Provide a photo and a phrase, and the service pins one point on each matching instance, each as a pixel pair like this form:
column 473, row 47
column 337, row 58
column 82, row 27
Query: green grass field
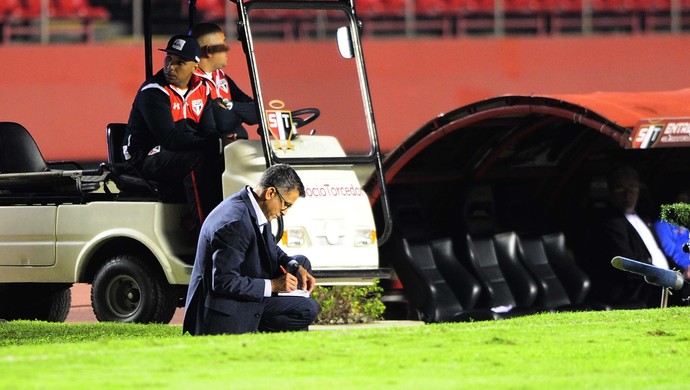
column 603, row 350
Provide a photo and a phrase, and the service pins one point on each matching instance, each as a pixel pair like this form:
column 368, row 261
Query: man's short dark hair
column 202, row 29
column 282, row 177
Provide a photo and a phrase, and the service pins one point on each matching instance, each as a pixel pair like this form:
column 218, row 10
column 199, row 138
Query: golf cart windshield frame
column 245, row 36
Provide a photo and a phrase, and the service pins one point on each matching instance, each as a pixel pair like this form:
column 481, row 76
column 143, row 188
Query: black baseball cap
column 183, row 46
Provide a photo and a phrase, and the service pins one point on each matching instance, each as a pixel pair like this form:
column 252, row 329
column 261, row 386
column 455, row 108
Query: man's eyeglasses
column 210, row 49
column 286, row 204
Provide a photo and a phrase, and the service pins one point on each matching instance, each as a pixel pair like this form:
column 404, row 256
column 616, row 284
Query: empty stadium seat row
column 543, row 6
column 59, row 9
column 215, row 9
column 460, row 17
column 482, row 277
column 19, row 17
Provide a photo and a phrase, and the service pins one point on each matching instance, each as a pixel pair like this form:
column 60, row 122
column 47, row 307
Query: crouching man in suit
column 239, row 268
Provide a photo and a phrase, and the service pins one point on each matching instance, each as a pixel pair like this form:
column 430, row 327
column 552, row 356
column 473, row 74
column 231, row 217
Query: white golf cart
column 122, row 234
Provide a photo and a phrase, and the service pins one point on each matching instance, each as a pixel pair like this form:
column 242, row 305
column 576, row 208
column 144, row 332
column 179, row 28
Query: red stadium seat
column 656, row 5
column 393, row 7
column 523, row 6
column 471, row 6
column 78, row 9
column 564, row 6
column 71, row 10
column 368, row 8
column 11, row 8
column 434, row 16
column 211, row 9
column 32, row 8
column 431, row 7
column 609, row 5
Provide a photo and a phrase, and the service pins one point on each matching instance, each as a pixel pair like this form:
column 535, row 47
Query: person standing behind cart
column 232, row 107
column 171, row 135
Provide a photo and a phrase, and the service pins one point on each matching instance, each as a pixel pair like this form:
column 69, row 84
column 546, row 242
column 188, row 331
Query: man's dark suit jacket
column 232, row 261
column 612, row 235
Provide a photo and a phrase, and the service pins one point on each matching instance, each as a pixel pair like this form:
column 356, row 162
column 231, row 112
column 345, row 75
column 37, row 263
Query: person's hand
column 229, row 138
column 308, row 281
column 226, row 104
column 686, row 274
column 286, row 282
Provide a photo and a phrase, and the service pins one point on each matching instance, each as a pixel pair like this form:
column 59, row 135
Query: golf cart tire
column 36, row 301
column 125, row 289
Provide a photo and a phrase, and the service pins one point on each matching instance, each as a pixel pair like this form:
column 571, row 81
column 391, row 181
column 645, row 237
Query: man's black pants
column 189, row 172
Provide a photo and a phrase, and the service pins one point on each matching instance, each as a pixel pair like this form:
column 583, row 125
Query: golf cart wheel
column 56, row 305
column 36, row 301
column 126, row 290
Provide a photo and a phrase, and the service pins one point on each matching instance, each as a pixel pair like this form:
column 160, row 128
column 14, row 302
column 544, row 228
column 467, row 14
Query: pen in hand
column 296, row 274
column 286, row 273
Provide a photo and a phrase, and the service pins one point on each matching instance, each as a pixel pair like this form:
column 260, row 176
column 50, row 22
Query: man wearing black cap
column 171, row 135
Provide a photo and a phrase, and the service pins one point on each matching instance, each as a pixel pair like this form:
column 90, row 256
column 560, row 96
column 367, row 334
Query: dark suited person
column 239, row 268
column 619, row 231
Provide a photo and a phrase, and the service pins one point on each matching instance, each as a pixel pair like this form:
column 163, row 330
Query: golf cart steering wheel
column 299, row 122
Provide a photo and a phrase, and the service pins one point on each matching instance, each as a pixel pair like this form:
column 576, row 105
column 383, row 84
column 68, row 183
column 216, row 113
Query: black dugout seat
column 552, row 294
column 575, row 281
column 483, row 256
column 465, row 286
column 23, row 168
column 477, row 245
column 128, row 180
column 427, row 289
column 521, row 283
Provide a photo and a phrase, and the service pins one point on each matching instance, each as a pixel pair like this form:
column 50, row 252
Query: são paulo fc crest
column 280, row 124
column 197, row 106
column 279, row 121
column 223, row 85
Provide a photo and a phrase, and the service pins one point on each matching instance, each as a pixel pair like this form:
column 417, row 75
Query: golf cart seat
column 127, row 178
column 24, row 170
